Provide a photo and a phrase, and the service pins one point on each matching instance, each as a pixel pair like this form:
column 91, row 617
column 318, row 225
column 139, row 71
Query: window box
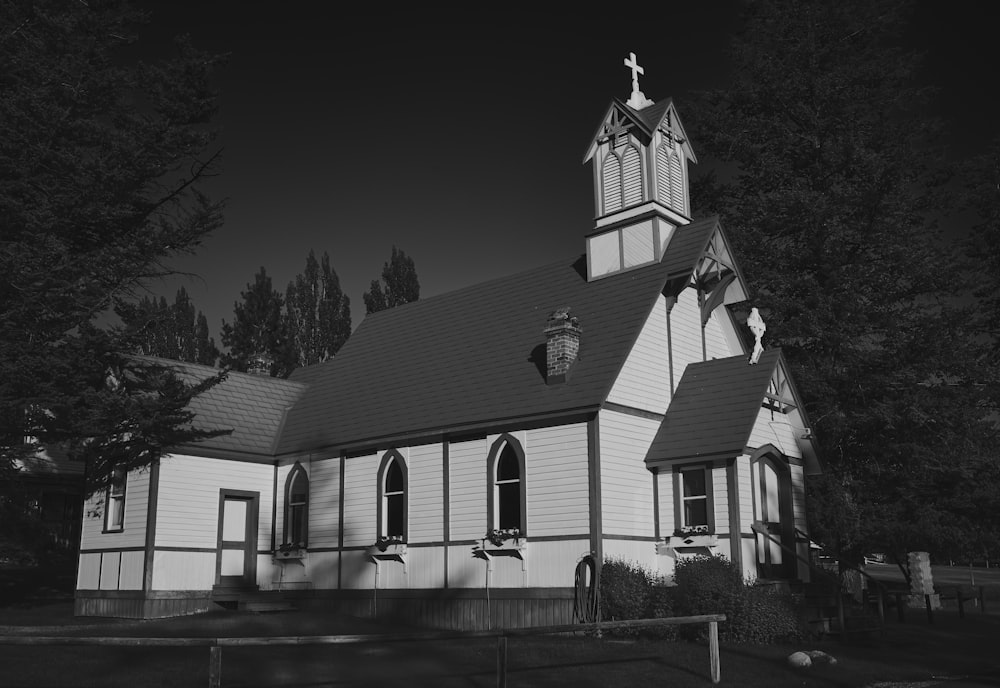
column 388, row 549
column 502, row 543
column 687, row 540
column 286, row 552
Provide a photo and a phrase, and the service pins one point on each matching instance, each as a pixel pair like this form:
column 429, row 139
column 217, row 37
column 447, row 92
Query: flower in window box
column 383, row 542
column 498, row 536
column 693, row 530
column 291, row 550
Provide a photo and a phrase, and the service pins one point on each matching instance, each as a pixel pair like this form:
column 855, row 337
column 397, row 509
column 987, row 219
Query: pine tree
column 258, row 336
column 101, row 160
column 176, row 331
column 838, row 184
column 318, row 312
column 399, row 284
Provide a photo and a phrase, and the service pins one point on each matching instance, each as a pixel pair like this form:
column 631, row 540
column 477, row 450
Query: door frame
column 788, row 568
column 249, row 577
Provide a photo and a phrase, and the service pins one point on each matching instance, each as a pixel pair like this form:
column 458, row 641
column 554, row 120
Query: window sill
column 390, row 551
column 509, row 548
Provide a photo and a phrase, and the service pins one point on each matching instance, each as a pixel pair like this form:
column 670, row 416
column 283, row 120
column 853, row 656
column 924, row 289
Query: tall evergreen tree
column 171, row 331
column 101, row 158
column 318, row 312
column 838, row 182
column 258, row 335
column 399, row 284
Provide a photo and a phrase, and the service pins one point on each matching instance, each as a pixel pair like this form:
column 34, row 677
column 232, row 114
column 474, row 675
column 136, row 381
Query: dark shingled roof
column 472, row 357
column 714, row 409
column 253, row 406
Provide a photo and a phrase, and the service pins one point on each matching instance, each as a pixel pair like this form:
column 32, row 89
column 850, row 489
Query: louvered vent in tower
column 631, row 176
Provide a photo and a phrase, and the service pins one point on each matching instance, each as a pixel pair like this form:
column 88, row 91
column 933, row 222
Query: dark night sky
column 458, row 137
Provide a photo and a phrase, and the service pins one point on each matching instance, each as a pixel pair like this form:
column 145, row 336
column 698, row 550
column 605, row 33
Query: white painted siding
column 717, row 344
column 133, row 533
column 685, row 332
column 321, row 570
column 425, row 494
column 324, row 503
column 720, row 499
column 183, row 570
column 187, row 512
column 665, row 489
column 641, row 552
column 626, row 483
column 637, row 244
column 553, row 563
column 774, row 428
column 89, row 575
column 425, row 567
column 110, row 566
column 644, row 380
column 467, row 463
column 358, row 570
column 465, row 570
column 360, row 495
column 745, row 486
column 557, row 481
column 130, row 576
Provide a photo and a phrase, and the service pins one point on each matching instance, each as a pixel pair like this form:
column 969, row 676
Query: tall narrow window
column 507, row 486
column 297, row 506
column 694, row 498
column 115, row 512
column 392, row 500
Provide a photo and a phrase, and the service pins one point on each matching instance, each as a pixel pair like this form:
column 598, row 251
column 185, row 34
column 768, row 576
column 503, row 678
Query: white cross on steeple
column 637, row 100
column 636, row 70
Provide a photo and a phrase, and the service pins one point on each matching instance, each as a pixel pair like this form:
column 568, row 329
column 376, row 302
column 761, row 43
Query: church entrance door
column 236, row 566
column 773, row 512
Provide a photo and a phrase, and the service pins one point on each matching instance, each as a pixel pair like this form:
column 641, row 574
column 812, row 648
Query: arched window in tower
column 507, row 494
column 297, row 506
column 611, row 181
column 631, row 176
column 392, row 500
column 669, row 185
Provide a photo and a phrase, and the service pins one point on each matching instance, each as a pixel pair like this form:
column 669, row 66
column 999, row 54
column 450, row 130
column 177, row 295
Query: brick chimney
column 562, row 345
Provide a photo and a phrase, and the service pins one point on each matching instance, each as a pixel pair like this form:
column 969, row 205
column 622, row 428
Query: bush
column 628, row 591
column 714, row 585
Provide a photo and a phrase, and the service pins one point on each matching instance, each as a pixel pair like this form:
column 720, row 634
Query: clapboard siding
column 88, row 576
column 747, row 497
column 324, row 503
column 626, row 484
column 183, row 570
column 644, row 380
column 425, row 520
column 685, row 332
column 187, row 513
column 553, row 563
column 797, row 478
column 360, row 495
column 110, row 568
column 467, row 463
column 720, row 499
column 717, row 345
column 425, row 567
column 464, row 569
column 133, row 533
column 665, row 490
column 322, row 570
column 357, row 570
column 557, row 483
column 641, row 552
column 774, row 428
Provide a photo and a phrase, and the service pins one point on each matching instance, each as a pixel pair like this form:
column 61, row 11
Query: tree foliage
column 399, row 284
column 318, row 312
column 258, row 337
column 101, row 159
column 176, row 331
column 833, row 204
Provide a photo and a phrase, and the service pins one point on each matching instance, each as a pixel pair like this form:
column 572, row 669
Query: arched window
column 507, row 486
column 392, row 497
column 297, row 506
column 611, row 180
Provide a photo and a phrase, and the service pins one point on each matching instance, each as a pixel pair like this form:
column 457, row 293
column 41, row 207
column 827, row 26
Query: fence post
column 713, row 649
column 930, row 612
column 214, row 666
column 502, row 661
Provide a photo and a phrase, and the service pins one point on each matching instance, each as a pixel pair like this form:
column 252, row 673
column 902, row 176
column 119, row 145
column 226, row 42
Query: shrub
column 714, row 585
column 628, row 591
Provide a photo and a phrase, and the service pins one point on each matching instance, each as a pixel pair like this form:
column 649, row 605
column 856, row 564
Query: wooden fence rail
column 215, row 645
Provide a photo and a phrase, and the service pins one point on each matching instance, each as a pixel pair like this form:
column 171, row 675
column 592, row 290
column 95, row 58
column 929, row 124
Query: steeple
column 640, row 156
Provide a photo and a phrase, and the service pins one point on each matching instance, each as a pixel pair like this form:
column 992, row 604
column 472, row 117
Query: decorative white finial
column 637, row 100
column 757, row 326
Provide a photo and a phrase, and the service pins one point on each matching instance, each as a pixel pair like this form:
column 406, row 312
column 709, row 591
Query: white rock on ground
column 799, row 660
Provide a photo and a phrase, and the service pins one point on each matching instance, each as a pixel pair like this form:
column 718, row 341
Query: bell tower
column 640, row 157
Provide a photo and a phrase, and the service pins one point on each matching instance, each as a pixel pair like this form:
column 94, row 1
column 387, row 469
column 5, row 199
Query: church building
column 463, row 456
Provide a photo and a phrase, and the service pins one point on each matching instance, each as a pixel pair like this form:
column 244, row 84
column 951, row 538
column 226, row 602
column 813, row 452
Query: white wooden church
column 462, row 455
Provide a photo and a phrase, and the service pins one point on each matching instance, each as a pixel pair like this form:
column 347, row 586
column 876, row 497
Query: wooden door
column 774, row 512
column 237, row 559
